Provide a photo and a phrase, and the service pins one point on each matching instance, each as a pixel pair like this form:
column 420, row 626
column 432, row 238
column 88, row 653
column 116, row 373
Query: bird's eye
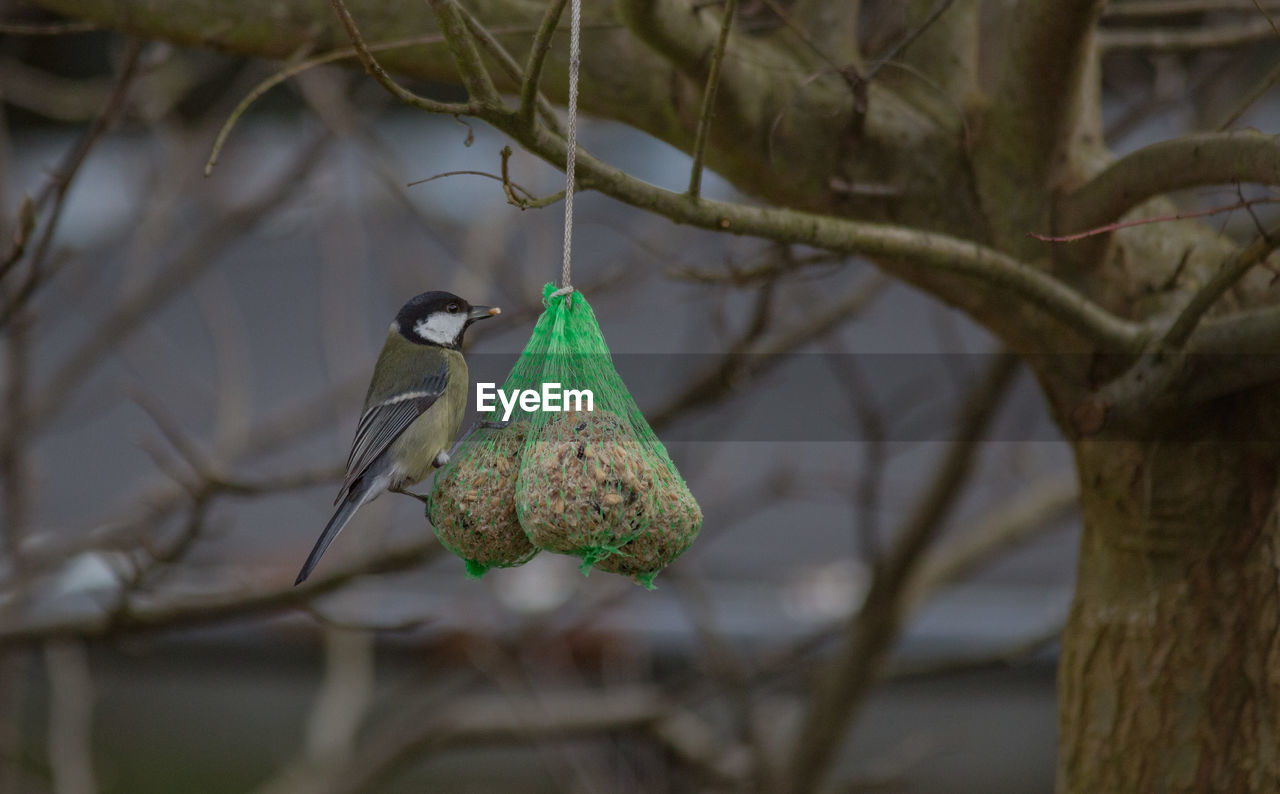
column 453, row 308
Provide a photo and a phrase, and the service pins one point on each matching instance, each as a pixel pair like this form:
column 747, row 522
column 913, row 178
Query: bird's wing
column 385, row 420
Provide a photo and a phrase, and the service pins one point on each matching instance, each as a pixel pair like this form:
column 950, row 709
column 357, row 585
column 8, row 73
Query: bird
column 416, row 400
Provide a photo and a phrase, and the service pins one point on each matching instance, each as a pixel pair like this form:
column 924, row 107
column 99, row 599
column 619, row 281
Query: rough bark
column 1168, row 680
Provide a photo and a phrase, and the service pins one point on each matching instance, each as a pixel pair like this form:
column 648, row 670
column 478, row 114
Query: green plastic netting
column 472, row 501
column 596, row 484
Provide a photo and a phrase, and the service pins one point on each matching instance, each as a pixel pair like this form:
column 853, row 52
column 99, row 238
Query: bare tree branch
column 487, row 719
column 1141, row 395
column 1038, row 104
column 538, row 50
column 884, row 244
column 486, row 40
column 234, row 600
column 709, row 98
column 345, row 695
column 70, row 717
column 870, row 633
column 752, row 275
column 136, row 308
column 1259, row 90
column 453, row 24
column 1129, row 9
column 1035, row 508
column 60, row 182
column 1186, row 40
column 51, row 29
column 701, row 745
column 376, row 71
column 1019, row 651
column 748, row 359
column 733, row 680
column 334, row 56
column 1177, row 164
column 1227, row 276
column 947, row 53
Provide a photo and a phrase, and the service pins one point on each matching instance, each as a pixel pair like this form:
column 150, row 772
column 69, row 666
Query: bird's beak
column 483, row 312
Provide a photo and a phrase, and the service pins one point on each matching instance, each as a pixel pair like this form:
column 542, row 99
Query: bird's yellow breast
column 435, row 430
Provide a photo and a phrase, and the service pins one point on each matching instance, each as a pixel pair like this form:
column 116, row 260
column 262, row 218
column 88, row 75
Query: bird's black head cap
column 438, row 318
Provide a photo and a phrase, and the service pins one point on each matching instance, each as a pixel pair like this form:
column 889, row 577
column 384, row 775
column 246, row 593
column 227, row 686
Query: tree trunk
column 1169, row 679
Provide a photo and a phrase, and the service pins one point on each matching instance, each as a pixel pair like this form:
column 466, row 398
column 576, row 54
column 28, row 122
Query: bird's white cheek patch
column 441, row 328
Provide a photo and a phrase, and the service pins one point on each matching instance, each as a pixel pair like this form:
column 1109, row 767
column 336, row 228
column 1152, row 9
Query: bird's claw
column 418, row 496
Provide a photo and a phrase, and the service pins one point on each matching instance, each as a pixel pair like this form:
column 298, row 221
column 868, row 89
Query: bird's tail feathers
column 340, row 518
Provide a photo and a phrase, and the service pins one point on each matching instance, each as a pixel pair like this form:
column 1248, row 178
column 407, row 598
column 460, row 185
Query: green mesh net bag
column 590, row 480
column 472, row 501
column 597, row 483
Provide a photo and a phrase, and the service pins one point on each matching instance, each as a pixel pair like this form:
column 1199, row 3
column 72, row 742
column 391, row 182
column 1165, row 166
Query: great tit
column 415, row 404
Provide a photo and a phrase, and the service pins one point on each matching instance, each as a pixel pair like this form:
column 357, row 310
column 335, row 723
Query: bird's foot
column 418, row 496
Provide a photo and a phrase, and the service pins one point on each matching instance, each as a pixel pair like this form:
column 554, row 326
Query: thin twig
column 877, row 623
column 867, row 489
column 1184, row 40
column 509, row 187
column 1274, row 27
column 537, row 58
column 789, row 226
column 484, row 174
column 709, row 98
column 886, row 243
column 480, row 719
column 1019, row 652
column 137, row 307
column 230, row 601
column 379, row 74
column 491, row 45
column 1035, row 508
column 1265, row 84
column 1175, row 164
column 752, row 275
column 883, row 242
column 1180, row 216
column 907, row 40
column 733, row 678
column 1172, row 8
column 15, row 468
column 750, row 357
column 1231, row 271
column 1269, row 81
column 157, row 504
column 22, row 229
column 214, row 477
column 848, row 72
column 62, row 177
column 51, row 29
column 15, row 316
column 293, row 70
column 462, row 44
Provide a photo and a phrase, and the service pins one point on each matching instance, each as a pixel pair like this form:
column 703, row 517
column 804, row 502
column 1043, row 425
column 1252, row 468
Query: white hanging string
column 571, row 139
